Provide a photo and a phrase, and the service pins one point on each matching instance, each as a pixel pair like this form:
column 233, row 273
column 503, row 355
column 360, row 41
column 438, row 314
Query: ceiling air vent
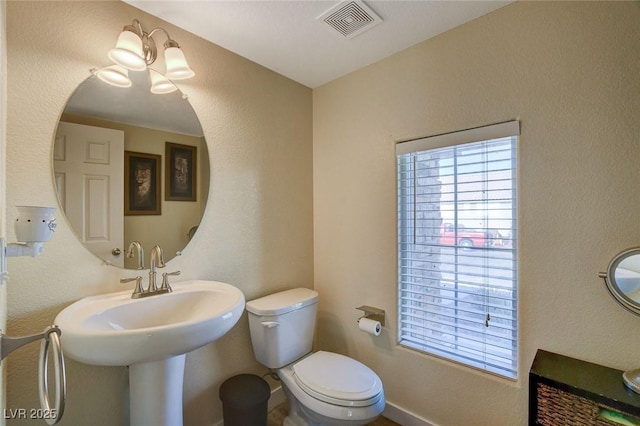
column 350, row 18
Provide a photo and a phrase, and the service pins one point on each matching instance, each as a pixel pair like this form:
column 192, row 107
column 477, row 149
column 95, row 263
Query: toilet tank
column 282, row 326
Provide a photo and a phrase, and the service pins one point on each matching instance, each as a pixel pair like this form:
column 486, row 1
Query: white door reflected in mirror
column 89, row 175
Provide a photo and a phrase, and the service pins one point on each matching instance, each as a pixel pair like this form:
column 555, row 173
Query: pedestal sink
column 151, row 335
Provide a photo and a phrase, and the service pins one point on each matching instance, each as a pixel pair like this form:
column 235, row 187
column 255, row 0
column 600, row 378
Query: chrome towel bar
column 50, row 341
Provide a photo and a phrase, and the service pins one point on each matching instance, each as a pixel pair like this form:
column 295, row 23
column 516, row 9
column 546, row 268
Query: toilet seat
column 338, row 380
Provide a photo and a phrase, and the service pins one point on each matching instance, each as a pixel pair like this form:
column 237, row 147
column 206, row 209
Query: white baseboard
column 403, row 417
column 277, row 397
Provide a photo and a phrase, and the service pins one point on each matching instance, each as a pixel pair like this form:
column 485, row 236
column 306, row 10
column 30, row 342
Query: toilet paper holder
column 375, row 314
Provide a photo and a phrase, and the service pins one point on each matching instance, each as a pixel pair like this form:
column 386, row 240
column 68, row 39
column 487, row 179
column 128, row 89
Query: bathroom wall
column 570, row 72
column 3, row 141
column 257, row 229
column 567, row 70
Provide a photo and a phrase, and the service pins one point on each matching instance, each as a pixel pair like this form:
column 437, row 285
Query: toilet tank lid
column 282, row 302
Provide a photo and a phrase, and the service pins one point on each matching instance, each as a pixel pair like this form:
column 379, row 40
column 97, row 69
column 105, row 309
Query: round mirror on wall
column 129, row 165
column 623, row 282
column 623, row 279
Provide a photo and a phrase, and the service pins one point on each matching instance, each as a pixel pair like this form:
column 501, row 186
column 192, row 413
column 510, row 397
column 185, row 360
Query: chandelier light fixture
column 136, row 50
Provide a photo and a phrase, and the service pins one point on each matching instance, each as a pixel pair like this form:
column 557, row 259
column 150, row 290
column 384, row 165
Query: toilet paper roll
column 370, row 326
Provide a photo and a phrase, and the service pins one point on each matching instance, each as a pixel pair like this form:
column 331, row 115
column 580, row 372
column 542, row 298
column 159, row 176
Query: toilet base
column 290, row 422
column 294, row 418
column 299, row 415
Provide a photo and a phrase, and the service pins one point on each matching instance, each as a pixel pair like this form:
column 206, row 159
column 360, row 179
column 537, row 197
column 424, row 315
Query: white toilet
column 322, row 388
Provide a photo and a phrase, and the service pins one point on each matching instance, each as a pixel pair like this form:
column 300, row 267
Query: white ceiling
column 286, row 37
column 135, row 105
column 282, row 35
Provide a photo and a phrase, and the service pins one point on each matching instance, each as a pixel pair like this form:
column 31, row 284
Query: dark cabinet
column 565, row 391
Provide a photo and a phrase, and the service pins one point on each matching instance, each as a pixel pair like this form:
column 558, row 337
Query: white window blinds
column 457, row 262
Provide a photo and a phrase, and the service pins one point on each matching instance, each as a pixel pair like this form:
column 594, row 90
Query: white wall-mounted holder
column 32, row 249
column 34, row 226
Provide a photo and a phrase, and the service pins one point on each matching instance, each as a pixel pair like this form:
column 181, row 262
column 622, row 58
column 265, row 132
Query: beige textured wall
column 257, row 229
column 570, row 72
column 3, row 144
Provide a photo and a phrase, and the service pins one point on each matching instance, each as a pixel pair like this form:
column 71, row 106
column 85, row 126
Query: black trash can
column 244, row 400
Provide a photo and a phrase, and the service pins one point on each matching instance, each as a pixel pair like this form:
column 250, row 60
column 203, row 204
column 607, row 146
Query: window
column 457, row 251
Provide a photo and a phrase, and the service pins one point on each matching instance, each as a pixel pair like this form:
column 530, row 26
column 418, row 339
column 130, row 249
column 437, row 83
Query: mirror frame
column 612, row 286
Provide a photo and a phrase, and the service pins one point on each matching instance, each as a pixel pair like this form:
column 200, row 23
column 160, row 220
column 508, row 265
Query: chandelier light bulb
column 177, row 67
column 128, row 51
column 136, row 50
column 114, row 75
column 160, row 85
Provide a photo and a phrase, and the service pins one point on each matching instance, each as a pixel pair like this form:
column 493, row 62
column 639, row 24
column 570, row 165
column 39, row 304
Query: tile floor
column 277, row 415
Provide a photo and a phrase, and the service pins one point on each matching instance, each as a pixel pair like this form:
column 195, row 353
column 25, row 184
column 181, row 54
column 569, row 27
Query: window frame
column 510, row 129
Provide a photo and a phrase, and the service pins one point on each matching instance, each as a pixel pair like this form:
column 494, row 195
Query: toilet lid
column 337, row 379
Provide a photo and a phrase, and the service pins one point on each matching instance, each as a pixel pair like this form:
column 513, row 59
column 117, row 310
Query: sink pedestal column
column 156, row 392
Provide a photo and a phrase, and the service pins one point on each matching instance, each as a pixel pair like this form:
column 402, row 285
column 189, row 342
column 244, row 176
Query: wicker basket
column 559, row 408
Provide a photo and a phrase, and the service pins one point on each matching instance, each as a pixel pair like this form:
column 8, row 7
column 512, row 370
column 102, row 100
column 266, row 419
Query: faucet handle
column 165, row 280
column 138, row 288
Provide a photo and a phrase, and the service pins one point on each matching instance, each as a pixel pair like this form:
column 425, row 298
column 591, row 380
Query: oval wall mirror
column 129, row 165
column 623, row 279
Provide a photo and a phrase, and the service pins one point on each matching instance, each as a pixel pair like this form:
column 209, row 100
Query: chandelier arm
column 129, row 51
column 149, row 48
column 136, row 24
column 160, row 29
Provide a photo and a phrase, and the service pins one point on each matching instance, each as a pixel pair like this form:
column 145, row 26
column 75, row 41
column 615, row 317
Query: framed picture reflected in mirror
column 180, row 172
column 142, row 184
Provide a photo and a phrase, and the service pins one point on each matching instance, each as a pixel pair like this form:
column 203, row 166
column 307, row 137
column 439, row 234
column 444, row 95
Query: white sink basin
column 113, row 329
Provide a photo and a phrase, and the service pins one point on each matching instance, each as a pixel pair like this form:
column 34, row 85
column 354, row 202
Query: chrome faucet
column 156, row 260
column 139, row 251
